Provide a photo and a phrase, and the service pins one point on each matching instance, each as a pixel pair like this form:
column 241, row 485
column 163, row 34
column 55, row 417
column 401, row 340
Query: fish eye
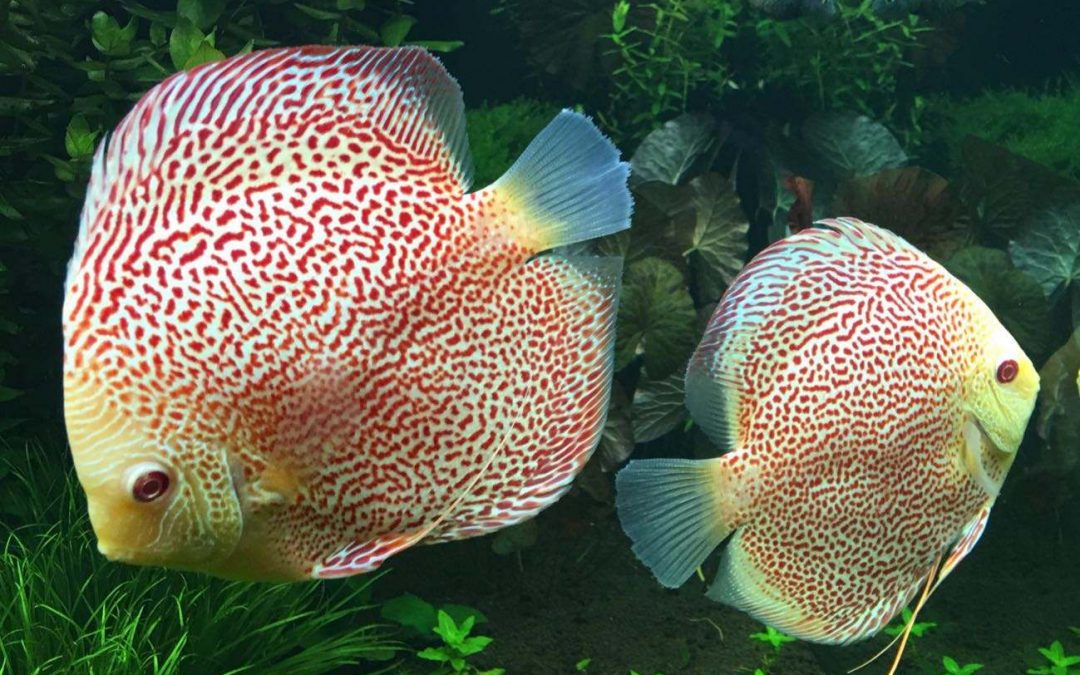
column 148, row 482
column 1007, row 371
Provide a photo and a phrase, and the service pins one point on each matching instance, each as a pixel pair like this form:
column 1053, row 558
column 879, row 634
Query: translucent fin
column 969, row 536
column 561, row 423
column 676, row 511
column 568, row 186
column 714, row 405
column 740, row 584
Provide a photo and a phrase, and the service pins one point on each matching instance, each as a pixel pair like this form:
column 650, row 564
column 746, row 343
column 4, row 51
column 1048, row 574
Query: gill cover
column 198, row 519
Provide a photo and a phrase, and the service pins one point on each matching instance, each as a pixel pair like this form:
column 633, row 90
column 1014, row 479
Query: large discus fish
column 871, row 405
column 295, row 343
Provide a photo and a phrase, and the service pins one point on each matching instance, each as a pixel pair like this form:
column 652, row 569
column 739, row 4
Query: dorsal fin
column 404, row 93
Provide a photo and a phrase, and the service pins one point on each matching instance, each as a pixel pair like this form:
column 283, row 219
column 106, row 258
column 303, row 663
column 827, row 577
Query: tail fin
column 568, row 186
column 676, row 513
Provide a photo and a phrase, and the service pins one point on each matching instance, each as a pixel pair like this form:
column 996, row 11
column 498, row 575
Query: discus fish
column 872, row 406
column 296, row 344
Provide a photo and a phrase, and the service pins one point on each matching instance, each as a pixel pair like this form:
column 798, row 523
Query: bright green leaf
column 78, row 138
column 184, row 41
column 395, row 29
column 441, row 46
column 108, row 37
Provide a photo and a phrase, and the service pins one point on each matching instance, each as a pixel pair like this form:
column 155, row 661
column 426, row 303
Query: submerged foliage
column 1040, row 126
column 64, row 607
column 637, row 63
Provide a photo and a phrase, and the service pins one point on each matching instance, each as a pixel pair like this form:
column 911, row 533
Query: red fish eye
column 1007, row 371
column 150, row 486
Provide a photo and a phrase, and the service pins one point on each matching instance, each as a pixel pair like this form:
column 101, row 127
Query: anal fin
column 366, row 556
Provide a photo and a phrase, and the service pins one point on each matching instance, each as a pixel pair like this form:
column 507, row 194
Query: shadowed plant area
column 64, row 608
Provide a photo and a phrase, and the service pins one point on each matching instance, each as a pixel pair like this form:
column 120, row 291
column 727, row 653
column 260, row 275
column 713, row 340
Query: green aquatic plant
column 582, row 666
column 661, row 56
column 918, row 629
column 952, row 667
column 499, row 133
column 772, row 637
column 457, row 646
column 1060, row 663
column 852, row 60
column 63, row 607
column 1037, row 125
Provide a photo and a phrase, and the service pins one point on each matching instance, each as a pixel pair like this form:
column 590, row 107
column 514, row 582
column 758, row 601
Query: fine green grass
column 64, row 608
column 1039, row 126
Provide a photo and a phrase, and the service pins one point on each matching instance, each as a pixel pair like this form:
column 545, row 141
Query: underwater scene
column 612, row 337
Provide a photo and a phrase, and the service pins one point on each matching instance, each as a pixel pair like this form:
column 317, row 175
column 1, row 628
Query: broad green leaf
column 461, row 612
column 1004, row 190
column 345, row 5
column 1049, row 249
column 656, row 318
column 441, row 46
column 917, row 204
column 410, row 611
column 205, row 53
column 853, row 145
column 78, row 138
column 1014, row 297
column 669, row 153
column 659, row 406
column 108, row 37
column 515, row 538
column 721, row 226
column 184, row 41
column 203, row 13
column 1058, row 424
column 395, row 29
column 433, row 654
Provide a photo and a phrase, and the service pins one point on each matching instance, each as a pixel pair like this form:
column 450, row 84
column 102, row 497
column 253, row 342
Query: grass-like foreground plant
column 64, row 608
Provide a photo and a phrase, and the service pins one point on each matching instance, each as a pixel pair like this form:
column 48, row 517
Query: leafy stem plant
column 1060, row 663
column 457, row 646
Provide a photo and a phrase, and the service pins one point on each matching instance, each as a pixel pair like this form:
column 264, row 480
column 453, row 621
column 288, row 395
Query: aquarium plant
column 64, row 607
column 1059, row 663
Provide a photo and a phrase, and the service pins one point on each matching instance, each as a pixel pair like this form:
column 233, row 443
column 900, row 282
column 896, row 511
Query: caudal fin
column 675, row 511
column 568, row 186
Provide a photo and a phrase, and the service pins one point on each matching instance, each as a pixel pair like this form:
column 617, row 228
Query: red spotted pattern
column 850, row 385
column 277, row 259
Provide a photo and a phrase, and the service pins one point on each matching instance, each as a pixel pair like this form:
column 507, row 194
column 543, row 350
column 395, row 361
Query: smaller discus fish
column 871, row 405
column 296, row 343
